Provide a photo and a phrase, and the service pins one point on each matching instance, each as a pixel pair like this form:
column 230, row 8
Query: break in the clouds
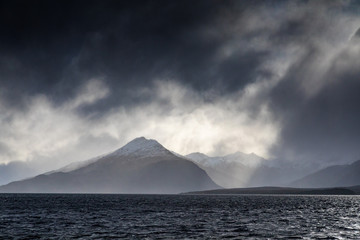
column 278, row 78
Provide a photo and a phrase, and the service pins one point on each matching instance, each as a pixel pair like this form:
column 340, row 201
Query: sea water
column 96, row 216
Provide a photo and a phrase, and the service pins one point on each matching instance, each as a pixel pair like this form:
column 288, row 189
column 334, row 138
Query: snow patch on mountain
column 142, row 147
column 249, row 160
column 205, row 160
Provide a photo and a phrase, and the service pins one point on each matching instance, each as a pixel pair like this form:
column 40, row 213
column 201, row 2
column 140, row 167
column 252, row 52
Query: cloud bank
column 178, row 117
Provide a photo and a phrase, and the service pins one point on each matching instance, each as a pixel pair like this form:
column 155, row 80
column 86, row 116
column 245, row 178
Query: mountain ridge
column 332, row 176
column 243, row 170
column 141, row 166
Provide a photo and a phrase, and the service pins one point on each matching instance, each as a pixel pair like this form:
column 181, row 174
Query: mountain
column 249, row 160
column 244, row 170
column 224, row 172
column 141, row 166
column 333, row 176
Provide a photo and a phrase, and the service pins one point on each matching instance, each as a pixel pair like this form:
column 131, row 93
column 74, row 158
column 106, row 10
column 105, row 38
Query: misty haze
column 180, row 119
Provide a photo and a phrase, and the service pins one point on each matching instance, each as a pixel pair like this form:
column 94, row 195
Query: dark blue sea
column 67, row 216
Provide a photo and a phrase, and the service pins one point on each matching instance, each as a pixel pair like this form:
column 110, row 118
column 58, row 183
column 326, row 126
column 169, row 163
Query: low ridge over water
column 48, row 216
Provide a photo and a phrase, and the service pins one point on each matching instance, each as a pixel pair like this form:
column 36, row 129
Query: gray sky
column 82, row 78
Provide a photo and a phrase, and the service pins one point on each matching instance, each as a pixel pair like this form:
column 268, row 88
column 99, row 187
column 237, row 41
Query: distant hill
column 281, row 190
column 333, row 176
column 141, row 166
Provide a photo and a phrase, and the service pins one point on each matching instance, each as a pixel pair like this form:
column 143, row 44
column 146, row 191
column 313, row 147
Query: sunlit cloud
column 188, row 124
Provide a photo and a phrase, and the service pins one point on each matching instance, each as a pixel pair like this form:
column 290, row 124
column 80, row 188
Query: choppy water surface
column 178, row 216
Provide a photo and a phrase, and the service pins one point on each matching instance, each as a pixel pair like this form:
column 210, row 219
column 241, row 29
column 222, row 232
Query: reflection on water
column 177, row 216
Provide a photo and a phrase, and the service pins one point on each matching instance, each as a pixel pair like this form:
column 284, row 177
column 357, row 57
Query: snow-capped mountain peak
column 141, row 147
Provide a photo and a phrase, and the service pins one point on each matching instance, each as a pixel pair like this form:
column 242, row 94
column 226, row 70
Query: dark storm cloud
column 327, row 128
column 295, row 53
column 317, row 99
column 324, row 127
column 53, row 47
